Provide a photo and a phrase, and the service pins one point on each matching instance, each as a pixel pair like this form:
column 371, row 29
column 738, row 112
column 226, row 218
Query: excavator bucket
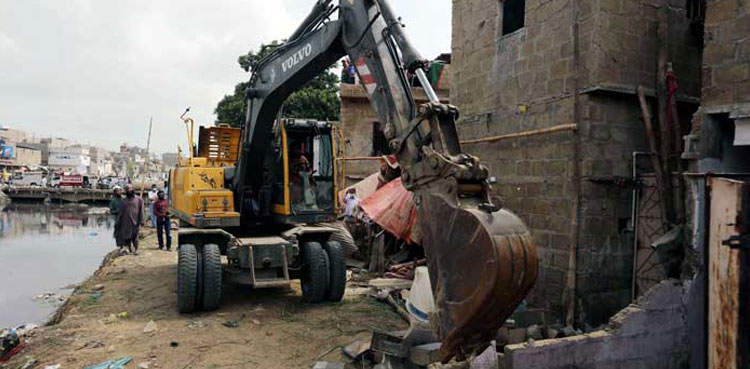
column 482, row 265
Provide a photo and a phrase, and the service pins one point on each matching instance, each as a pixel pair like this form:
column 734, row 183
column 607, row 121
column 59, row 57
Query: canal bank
column 110, row 314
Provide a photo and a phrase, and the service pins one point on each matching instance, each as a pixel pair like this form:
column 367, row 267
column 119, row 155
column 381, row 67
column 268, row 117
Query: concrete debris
column 357, row 349
column 394, row 283
column 486, row 360
column 150, row 327
column 328, row 365
column 534, row 332
column 196, row 324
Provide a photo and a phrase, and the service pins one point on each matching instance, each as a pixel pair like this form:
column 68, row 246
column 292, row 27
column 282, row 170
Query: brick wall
column 648, row 334
column 726, row 63
column 526, row 81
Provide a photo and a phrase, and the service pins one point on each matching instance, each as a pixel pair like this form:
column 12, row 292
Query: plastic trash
column 110, row 364
column 231, row 324
column 421, row 303
column 55, row 366
column 150, row 327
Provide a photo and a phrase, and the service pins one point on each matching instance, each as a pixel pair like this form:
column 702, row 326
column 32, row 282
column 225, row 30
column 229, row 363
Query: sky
column 96, row 71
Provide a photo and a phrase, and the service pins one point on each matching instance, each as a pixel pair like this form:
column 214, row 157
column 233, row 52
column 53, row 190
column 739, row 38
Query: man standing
column 161, row 209
column 129, row 220
column 152, row 197
column 116, row 201
column 114, row 207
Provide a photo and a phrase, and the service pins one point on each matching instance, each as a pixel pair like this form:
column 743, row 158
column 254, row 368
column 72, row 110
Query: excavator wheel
column 187, row 278
column 473, row 302
column 314, row 273
column 211, row 277
column 337, row 271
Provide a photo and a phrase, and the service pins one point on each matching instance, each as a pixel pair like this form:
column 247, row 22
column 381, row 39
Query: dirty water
column 44, row 252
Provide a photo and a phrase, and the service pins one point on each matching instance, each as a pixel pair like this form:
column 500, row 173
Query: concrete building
column 74, row 159
column 49, row 144
column 575, row 65
column 566, row 72
column 29, row 155
column 362, row 131
column 101, row 162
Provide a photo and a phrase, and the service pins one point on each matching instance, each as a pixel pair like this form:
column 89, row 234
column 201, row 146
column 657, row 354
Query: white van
column 33, row 179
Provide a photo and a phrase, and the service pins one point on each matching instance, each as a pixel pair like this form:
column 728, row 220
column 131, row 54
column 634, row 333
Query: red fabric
column 392, row 208
column 671, row 92
column 161, row 208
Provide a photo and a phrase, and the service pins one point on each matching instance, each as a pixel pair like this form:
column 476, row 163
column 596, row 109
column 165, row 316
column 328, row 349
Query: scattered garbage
column 255, row 321
column 94, row 297
column 144, row 365
column 97, row 287
column 123, row 315
column 55, row 366
column 174, row 344
column 231, row 324
column 150, row 327
column 26, row 329
column 196, row 324
column 111, row 364
column 50, row 298
column 11, row 344
column 30, row 363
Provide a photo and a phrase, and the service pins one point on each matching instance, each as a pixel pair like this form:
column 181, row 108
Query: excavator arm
column 481, row 257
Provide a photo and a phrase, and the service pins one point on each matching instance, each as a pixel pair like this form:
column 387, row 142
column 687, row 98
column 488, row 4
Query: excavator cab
column 303, row 171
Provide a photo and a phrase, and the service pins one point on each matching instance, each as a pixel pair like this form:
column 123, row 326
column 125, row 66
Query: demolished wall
column 650, row 333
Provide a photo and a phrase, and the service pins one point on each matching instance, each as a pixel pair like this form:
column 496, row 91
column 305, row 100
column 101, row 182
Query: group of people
column 129, row 213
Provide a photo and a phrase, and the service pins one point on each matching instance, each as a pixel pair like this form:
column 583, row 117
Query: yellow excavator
column 259, row 195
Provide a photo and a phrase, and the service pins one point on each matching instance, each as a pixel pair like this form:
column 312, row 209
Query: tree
column 317, row 99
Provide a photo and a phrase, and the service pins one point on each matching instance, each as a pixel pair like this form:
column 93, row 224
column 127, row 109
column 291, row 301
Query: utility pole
column 148, row 148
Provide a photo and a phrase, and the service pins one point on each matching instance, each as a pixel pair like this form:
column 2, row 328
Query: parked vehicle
column 33, row 179
column 68, row 180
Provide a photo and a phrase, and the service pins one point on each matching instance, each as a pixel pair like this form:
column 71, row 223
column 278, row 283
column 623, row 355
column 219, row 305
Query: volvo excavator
column 262, row 204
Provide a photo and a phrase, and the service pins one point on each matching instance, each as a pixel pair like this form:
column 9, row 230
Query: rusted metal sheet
column 481, row 266
column 728, row 198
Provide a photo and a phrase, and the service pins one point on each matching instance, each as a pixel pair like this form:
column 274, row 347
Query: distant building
column 74, row 159
column 29, row 155
column 170, row 159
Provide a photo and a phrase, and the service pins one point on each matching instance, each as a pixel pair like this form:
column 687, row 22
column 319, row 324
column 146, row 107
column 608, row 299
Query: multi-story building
column 73, row 159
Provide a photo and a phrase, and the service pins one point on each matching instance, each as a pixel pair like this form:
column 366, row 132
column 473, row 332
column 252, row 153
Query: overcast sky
column 96, row 70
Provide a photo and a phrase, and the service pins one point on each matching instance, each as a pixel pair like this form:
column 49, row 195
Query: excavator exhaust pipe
column 482, row 265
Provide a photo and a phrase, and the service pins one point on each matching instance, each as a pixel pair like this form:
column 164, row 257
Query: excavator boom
column 481, row 257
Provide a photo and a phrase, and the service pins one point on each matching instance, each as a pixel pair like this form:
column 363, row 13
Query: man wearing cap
column 129, row 220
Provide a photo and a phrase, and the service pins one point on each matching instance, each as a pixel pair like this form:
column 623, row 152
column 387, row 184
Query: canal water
column 44, row 251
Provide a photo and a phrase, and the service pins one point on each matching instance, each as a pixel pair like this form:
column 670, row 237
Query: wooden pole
column 148, row 149
column 655, row 157
column 560, row 128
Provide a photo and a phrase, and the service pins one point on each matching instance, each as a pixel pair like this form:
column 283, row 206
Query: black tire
column 211, row 277
column 337, row 271
column 314, row 273
column 187, row 278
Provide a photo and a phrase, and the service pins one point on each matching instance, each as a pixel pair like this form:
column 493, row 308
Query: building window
column 379, row 142
column 514, row 12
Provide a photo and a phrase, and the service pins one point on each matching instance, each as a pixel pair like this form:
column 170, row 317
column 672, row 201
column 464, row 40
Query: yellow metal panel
column 285, row 151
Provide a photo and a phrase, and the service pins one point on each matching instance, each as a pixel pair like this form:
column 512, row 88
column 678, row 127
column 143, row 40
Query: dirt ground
column 276, row 329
